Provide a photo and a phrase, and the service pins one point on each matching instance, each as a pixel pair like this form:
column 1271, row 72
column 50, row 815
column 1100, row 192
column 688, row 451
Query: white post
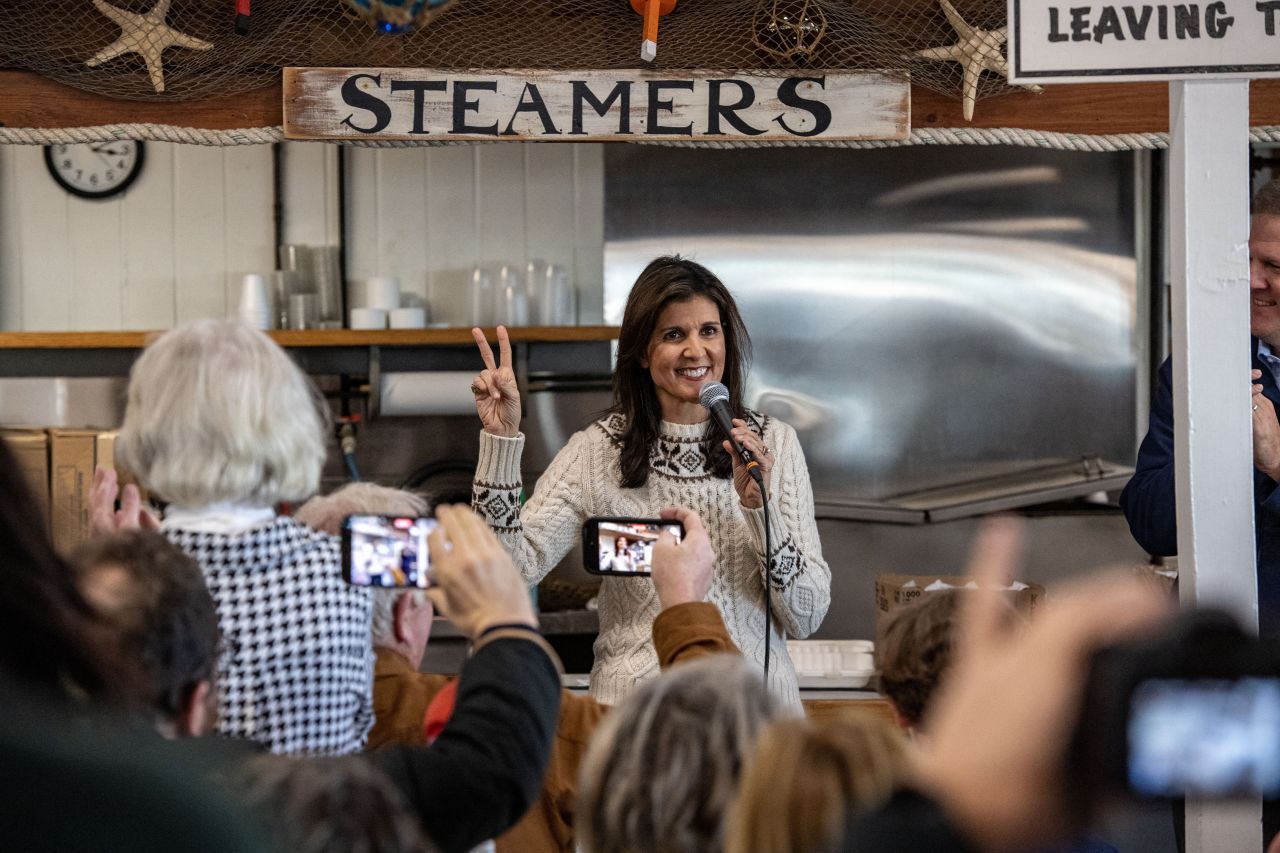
column 1213, row 450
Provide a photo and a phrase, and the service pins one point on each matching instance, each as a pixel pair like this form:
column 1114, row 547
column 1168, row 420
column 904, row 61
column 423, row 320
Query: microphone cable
column 768, row 566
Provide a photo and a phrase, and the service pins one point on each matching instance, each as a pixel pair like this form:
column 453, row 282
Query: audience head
column 914, row 653
column 216, row 413
column 49, row 635
column 664, row 766
column 330, row 805
column 325, row 512
column 401, row 618
column 807, row 778
column 154, row 599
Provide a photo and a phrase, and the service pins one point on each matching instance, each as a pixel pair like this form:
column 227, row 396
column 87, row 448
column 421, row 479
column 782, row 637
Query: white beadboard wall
column 176, row 244
column 171, row 249
column 428, row 215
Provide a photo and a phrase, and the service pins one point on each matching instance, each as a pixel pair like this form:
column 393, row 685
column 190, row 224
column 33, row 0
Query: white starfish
column 146, row 35
column 976, row 51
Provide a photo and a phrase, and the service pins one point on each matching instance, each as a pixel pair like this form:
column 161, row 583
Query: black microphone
column 714, row 397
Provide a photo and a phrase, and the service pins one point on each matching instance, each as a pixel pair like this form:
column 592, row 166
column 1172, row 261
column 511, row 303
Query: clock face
column 95, row 169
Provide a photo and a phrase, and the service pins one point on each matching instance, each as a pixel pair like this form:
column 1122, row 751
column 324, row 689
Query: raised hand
column 104, row 518
column 682, row 572
column 497, row 395
column 748, row 490
column 1266, row 432
column 475, row 584
column 1008, row 792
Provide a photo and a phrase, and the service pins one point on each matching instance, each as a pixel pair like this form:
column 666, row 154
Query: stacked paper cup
column 381, row 298
column 255, row 303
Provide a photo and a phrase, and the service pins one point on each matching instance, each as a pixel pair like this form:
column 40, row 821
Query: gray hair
column 323, row 804
column 217, row 412
column 326, row 514
column 663, row 767
column 1266, row 201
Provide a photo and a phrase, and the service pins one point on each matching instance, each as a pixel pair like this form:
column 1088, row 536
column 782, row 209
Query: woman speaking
column 657, row 448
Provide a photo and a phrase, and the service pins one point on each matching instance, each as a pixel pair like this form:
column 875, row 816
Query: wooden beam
column 29, row 100
column 1096, row 108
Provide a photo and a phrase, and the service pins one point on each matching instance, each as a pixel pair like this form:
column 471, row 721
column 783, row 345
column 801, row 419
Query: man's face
column 1264, row 278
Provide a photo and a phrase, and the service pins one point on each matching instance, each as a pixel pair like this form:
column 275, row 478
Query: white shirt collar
column 227, row 518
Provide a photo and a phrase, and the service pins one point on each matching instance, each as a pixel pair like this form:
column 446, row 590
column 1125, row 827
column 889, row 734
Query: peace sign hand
column 497, row 395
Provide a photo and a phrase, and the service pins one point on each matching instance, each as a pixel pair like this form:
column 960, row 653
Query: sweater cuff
column 499, row 462
column 690, row 630
column 755, row 524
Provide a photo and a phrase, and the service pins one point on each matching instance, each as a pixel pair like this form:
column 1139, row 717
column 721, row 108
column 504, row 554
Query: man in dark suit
column 1148, row 499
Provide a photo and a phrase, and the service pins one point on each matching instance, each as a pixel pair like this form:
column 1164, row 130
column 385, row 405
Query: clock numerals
column 97, row 170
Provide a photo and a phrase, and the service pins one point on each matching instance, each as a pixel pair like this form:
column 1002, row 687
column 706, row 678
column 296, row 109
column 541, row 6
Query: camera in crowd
column 386, row 551
column 1193, row 711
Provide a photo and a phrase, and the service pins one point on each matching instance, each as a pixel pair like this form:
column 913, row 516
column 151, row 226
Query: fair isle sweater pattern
column 582, row 481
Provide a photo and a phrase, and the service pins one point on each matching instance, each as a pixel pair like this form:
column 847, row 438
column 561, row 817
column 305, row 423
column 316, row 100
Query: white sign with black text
column 1054, row 41
column 581, row 106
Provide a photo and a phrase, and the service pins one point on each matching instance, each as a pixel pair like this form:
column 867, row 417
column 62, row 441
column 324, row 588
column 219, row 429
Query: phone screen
column 624, row 546
column 1212, row 738
column 386, row 551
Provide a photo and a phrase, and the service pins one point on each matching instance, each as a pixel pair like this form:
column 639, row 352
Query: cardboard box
column 105, row 453
column 72, row 454
column 893, row 591
column 31, row 447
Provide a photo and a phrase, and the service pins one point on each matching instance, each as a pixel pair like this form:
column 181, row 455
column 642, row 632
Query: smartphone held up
column 386, row 551
column 624, row 546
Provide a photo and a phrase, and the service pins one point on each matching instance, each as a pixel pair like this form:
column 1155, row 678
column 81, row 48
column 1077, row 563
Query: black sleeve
column 1148, row 499
column 485, row 770
column 909, row 823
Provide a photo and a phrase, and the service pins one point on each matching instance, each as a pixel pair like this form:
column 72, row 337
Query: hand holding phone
column 477, row 586
column 683, row 568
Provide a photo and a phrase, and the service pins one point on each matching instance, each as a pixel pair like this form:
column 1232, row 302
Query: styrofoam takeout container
column 832, row 663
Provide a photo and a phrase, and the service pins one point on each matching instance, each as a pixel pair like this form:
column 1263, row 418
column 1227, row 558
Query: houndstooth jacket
column 296, row 668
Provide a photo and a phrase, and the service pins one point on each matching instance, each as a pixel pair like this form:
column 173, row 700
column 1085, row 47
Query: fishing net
column 163, row 50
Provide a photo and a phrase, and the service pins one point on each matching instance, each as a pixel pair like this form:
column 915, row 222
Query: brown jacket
column 401, row 696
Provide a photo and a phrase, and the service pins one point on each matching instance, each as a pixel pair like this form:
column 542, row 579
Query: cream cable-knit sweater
column 582, row 481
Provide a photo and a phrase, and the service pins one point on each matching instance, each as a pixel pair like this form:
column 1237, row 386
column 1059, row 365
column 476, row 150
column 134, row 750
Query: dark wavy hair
column 167, row 623
column 665, row 280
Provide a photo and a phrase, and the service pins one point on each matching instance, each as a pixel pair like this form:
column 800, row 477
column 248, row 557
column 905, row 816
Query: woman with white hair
column 222, row 425
column 663, row 768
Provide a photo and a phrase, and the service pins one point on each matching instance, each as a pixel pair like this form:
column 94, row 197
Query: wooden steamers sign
column 583, row 106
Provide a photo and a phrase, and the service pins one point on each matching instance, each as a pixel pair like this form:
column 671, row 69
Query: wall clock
column 95, row 169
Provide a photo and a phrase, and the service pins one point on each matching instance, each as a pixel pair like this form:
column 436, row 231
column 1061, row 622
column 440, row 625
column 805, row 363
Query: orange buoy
column 652, row 10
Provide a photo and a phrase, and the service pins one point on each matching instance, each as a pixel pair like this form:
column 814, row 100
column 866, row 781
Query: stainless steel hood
column 950, row 331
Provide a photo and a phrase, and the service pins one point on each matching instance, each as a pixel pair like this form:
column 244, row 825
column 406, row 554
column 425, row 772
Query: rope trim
column 919, row 136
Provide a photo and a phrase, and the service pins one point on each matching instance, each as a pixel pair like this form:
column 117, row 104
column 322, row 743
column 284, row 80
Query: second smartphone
column 624, row 546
